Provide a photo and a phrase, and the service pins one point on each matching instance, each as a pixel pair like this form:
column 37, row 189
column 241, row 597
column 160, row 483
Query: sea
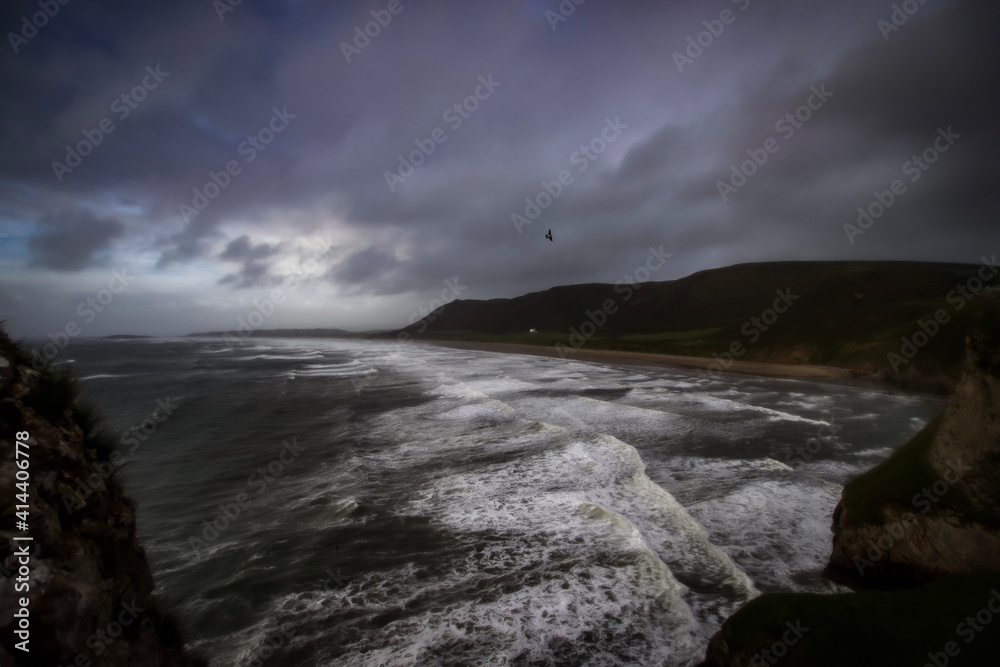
column 348, row 502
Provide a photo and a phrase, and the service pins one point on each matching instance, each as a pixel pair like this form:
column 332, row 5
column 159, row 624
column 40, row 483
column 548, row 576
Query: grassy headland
column 862, row 316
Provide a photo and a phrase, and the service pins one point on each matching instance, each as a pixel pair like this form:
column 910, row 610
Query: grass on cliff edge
column 895, row 481
column 874, row 627
column 57, row 391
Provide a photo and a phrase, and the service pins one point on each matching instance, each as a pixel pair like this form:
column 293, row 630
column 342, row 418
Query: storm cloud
column 70, row 241
column 282, row 146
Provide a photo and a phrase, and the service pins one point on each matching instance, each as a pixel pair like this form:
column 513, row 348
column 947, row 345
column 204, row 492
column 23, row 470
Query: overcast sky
column 115, row 113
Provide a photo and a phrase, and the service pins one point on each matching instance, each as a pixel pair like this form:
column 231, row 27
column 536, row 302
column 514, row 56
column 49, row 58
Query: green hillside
column 846, row 314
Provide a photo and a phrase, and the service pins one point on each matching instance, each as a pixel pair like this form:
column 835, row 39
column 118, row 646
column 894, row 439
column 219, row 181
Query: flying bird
column 549, row 235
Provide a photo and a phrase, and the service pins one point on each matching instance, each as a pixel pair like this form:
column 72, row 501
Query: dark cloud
column 251, row 274
column 70, row 241
column 373, row 269
column 255, row 271
column 242, row 249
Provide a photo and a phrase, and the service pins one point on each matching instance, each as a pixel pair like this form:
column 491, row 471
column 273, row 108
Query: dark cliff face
column 971, row 428
column 933, row 508
column 89, row 585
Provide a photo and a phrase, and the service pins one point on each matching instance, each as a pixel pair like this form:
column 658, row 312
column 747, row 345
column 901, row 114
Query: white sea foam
column 773, row 529
column 352, row 369
column 489, row 409
column 287, row 357
column 485, row 609
column 589, row 493
column 730, row 406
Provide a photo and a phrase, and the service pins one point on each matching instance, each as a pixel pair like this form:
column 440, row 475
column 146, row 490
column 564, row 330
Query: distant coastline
column 283, row 333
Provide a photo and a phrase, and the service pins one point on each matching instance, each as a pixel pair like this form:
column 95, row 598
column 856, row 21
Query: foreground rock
column 90, row 585
column 951, row 622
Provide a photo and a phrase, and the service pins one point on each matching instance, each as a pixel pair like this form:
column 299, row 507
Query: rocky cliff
column 933, row 508
column 86, row 580
column 924, row 526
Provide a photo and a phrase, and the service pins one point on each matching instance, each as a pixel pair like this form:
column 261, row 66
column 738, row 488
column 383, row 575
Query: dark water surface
column 366, row 503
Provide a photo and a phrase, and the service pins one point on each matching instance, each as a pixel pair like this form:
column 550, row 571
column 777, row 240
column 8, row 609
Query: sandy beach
column 791, row 371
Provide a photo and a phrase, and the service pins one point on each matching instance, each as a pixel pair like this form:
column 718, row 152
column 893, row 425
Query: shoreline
column 830, row 374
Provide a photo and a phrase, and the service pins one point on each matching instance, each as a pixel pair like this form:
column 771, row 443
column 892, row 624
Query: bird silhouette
column 549, row 235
